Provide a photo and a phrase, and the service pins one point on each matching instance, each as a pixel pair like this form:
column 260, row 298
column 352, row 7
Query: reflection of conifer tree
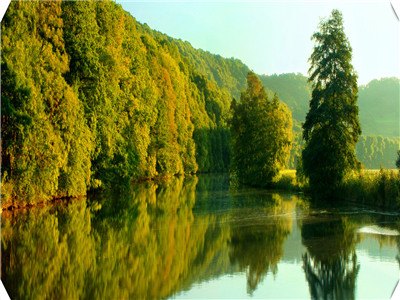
column 331, row 279
column 330, row 265
column 257, row 248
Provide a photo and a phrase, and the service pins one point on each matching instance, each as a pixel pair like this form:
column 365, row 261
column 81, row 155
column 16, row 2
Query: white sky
column 274, row 37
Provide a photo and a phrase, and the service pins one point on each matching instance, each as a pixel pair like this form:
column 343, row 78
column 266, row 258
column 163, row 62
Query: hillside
column 379, row 103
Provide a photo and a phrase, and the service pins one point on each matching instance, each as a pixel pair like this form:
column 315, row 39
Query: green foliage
column 376, row 151
column 372, row 151
column 92, row 98
column 379, row 188
column 398, row 160
column 46, row 144
column 332, row 128
column 287, row 181
column 261, row 135
column 227, row 73
column 295, row 150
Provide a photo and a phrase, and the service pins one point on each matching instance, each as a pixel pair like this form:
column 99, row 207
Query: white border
column 3, row 7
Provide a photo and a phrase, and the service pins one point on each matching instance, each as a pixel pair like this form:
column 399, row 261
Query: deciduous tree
column 261, row 135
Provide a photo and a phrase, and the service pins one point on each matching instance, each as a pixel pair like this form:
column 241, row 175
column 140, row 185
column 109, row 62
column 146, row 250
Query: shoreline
column 380, row 189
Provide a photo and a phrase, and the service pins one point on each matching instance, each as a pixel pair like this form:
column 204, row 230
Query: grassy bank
column 287, row 181
column 379, row 188
column 375, row 187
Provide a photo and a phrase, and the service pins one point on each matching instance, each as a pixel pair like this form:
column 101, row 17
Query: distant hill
column 378, row 100
column 292, row 89
column 379, row 103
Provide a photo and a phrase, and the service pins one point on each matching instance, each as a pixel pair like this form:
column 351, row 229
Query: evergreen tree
column 261, row 135
column 332, row 128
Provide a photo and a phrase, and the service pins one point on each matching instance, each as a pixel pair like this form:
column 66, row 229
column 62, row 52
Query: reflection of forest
column 145, row 243
column 154, row 240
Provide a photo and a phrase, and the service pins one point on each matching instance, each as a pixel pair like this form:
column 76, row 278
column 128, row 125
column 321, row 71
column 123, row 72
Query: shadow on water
column 156, row 240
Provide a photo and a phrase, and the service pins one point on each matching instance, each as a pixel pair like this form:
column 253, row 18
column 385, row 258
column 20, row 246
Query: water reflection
column 257, row 245
column 330, row 265
column 47, row 252
column 156, row 240
column 140, row 244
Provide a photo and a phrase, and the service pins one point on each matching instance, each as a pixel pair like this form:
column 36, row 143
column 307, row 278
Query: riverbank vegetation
column 373, row 187
column 380, row 188
column 93, row 99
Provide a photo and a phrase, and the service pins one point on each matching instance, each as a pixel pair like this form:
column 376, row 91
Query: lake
column 199, row 237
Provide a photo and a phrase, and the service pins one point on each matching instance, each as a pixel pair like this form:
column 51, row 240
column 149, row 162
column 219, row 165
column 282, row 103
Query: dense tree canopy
column 261, row 135
column 91, row 97
column 331, row 129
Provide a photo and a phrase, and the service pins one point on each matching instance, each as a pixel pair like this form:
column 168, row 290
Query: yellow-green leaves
column 261, row 135
column 91, row 97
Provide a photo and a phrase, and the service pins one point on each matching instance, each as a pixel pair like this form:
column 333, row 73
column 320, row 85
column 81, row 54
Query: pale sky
column 274, row 37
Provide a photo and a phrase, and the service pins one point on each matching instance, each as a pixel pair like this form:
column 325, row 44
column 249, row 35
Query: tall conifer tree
column 332, row 128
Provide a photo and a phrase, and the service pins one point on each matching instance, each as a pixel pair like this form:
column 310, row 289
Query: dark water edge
column 198, row 237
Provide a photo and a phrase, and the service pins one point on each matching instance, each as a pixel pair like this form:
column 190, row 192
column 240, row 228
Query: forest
column 91, row 98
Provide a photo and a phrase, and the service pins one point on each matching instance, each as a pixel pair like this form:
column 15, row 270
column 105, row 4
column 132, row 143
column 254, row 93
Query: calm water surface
column 199, row 238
